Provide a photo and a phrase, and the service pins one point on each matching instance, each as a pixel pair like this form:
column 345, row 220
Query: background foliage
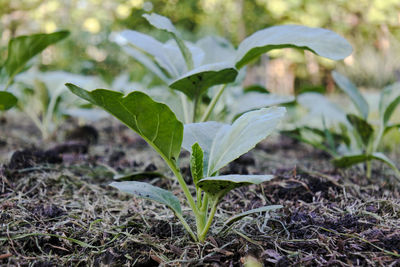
column 372, row 26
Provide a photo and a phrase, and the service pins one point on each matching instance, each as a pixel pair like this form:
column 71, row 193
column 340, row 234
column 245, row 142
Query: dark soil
column 56, row 207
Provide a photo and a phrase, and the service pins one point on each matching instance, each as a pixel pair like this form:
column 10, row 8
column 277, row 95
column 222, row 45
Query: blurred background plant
column 371, row 26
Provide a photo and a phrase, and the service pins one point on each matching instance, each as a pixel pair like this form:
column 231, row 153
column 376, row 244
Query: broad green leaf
column 218, row 186
column 363, row 128
column 21, row 49
column 351, row 90
column 204, row 134
column 197, row 81
column 256, row 100
column 231, row 142
column 196, row 163
column 240, row 216
column 153, row 121
column 163, row 23
column 322, row 42
column 7, row 100
column 148, row 191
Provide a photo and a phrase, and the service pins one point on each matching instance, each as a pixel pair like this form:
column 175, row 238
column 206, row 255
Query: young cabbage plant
column 20, row 50
column 212, row 145
column 192, row 69
column 367, row 138
column 43, row 97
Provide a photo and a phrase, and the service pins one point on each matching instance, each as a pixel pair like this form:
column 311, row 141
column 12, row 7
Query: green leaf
column 256, row 88
column 319, row 41
column 347, row 161
column 218, row 186
column 148, row 191
column 152, row 47
column 390, row 109
column 196, row 163
column 135, row 176
column 153, row 121
column 231, row 142
column 204, row 134
column 21, row 49
column 196, row 82
column 363, row 128
column 163, row 23
column 351, row 90
column 7, row 100
column 146, row 62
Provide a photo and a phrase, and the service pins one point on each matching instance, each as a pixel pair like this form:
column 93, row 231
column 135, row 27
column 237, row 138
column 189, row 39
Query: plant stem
column 187, row 227
column 195, row 105
column 185, row 108
column 202, row 235
column 369, row 169
column 212, row 104
column 184, row 187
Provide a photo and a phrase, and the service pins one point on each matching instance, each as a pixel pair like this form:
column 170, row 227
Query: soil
column 56, row 207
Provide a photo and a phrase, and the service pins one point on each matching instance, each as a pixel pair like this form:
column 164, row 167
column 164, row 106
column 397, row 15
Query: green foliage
column 158, row 125
column 155, row 122
column 319, row 41
column 7, row 100
column 20, row 50
column 364, row 140
column 194, row 68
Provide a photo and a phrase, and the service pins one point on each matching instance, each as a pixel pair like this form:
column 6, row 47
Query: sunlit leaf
column 7, row 100
column 148, row 191
column 153, row 121
column 351, row 90
column 196, row 82
column 319, row 41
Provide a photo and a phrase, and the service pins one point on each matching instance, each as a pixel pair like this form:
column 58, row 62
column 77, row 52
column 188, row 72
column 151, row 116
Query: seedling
column 358, row 141
column 192, row 69
column 20, row 50
column 212, row 145
column 366, row 138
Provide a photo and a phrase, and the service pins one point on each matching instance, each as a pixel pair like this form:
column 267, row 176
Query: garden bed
column 56, row 207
